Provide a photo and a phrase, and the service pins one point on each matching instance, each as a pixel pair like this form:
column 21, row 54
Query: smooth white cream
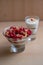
column 32, row 24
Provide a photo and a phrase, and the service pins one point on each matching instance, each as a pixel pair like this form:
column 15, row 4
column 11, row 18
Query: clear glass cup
column 16, row 46
column 32, row 23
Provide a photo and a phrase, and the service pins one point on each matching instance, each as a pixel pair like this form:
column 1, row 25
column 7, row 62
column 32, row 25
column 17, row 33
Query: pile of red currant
column 17, row 32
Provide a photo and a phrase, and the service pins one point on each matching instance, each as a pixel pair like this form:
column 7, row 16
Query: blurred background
column 16, row 10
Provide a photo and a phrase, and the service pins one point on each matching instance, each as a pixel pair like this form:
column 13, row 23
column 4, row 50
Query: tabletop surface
column 33, row 53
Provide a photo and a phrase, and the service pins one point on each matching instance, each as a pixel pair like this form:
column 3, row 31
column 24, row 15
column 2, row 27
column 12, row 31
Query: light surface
column 33, row 54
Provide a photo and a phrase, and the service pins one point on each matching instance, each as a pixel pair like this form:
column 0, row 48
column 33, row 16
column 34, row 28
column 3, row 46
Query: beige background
column 17, row 9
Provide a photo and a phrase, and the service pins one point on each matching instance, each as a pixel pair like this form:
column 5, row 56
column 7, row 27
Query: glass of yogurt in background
column 32, row 23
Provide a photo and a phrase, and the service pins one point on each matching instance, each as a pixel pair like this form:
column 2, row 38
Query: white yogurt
column 32, row 24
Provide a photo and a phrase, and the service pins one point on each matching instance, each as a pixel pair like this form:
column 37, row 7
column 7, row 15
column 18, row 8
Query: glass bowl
column 16, row 46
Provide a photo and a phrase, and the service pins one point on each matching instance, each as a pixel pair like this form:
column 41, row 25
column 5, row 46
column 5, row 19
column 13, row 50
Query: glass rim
column 37, row 17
